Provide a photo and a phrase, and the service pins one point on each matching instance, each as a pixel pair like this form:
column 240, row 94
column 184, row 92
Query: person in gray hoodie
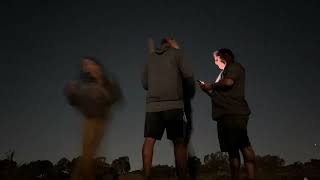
column 168, row 80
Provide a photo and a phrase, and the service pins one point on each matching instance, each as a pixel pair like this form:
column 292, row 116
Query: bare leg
column 181, row 156
column 249, row 161
column 147, row 155
column 234, row 160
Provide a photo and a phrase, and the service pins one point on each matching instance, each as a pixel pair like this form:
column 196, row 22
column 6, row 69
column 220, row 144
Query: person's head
column 223, row 57
column 169, row 41
column 92, row 66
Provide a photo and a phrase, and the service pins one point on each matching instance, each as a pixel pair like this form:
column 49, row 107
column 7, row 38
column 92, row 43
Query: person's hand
column 173, row 43
column 205, row 86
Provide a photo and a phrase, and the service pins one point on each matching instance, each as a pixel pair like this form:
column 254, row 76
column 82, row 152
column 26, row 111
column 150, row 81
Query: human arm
column 188, row 81
column 145, row 77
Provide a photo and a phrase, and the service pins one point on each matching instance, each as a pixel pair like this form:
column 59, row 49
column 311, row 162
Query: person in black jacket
column 231, row 111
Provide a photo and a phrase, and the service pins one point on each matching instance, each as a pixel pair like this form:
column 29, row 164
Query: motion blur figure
column 93, row 95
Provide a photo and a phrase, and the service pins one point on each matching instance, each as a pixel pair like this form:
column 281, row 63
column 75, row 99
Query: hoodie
column 167, row 79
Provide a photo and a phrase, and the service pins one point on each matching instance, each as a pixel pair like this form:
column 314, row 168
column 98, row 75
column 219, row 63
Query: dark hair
column 226, row 55
column 93, row 59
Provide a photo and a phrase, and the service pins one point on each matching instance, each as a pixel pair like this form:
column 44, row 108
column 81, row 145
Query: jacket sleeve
column 72, row 93
column 188, row 81
column 232, row 74
column 145, row 77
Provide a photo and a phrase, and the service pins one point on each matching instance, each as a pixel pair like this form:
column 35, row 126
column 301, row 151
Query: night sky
column 42, row 45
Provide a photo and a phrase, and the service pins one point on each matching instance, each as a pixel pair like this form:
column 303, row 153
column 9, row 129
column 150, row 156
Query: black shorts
column 232, row 133
column 170, row 120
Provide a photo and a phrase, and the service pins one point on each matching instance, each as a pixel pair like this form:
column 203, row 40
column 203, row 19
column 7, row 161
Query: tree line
column 214, row 166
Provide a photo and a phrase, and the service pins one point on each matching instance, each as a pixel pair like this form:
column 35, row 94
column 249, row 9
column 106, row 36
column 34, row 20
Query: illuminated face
column 219, row 62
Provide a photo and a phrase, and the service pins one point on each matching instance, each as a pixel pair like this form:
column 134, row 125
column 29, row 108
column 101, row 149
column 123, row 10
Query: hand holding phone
column 200, row 82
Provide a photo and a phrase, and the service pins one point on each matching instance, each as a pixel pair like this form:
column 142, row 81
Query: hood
column 162, row 49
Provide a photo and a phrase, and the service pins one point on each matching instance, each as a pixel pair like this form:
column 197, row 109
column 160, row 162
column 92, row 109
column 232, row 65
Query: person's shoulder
column 234, row 68
column 236, row 65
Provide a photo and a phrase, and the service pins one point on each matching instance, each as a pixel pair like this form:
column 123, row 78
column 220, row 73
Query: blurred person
column 93, row 95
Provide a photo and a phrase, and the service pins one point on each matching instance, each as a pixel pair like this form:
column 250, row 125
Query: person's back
column 166, row 69
column 168, row 80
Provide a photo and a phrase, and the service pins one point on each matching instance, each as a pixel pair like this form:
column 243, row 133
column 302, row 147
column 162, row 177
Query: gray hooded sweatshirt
column 168, row 80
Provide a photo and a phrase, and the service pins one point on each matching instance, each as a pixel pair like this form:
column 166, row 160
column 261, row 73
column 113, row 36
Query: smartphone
column 199, row 81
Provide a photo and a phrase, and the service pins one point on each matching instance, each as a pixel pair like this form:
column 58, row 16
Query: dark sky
column 42, row 45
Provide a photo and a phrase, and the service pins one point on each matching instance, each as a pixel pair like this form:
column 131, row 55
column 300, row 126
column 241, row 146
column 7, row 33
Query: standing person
column 231, row 111
column 93, row 95
column 164, row 75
